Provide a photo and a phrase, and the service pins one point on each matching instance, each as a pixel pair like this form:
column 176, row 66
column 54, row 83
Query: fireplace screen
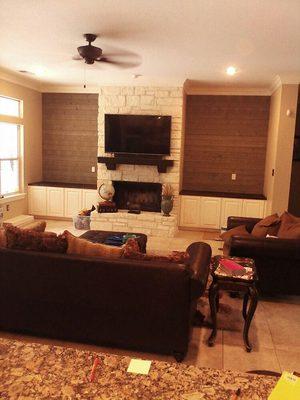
column 141, row 195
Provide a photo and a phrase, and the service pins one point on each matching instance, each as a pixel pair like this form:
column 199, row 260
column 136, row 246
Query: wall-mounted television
column 137, row 134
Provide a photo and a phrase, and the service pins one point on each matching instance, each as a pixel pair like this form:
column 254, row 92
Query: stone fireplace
column 141, row 100
column 145, row 196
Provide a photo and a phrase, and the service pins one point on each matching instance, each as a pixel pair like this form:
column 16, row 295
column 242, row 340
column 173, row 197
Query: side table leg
column 213, row 295
column 252, row 307
column 245, row 305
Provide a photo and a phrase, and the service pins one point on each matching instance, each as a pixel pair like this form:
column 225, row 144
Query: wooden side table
column 245, row 284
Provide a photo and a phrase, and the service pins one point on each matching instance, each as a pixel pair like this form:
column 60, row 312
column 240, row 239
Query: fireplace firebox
column 143, row 195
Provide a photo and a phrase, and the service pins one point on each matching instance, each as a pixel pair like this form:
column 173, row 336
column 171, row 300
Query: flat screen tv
column 139, row 134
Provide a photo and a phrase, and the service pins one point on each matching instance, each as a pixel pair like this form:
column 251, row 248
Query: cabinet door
column 73, row 202
column 37, row 201
column 210, row 212
column 190, row 211
column 89, row 198
column 230, row 207
column 253, row 208
column 55, row 202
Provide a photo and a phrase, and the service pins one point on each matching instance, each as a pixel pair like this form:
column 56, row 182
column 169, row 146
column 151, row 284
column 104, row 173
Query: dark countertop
column 223, row 194
column 65, row 185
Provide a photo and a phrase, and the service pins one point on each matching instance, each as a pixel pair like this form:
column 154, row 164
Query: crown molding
column 201, row 88
column 275, row 84
column 19, row 80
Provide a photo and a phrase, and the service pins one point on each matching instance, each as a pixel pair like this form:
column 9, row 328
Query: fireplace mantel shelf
column 112, row 162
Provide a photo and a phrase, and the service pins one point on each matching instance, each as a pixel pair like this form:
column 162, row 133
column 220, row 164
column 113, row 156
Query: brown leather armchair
column 277, row 260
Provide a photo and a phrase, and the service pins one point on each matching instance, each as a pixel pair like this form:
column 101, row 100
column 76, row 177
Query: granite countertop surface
column 37, row 371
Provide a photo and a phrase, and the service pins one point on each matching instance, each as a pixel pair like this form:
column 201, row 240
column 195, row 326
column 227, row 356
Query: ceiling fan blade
column 122, row 64
column 77, row 58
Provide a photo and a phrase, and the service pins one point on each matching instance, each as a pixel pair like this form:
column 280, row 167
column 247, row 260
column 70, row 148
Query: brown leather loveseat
column 277, row 260
column 144, row 305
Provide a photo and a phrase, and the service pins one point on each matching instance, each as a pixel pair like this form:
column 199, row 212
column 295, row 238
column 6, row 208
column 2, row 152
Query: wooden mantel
column 136, row 159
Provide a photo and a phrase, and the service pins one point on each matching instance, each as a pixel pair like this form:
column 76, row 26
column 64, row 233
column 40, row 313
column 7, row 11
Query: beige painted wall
column 32, row 122
column 280, row 148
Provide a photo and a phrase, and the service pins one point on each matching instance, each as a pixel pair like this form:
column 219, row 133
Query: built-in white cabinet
column 230, row 207
column 73, row 202
column 58, row 201
column 212, row 212
column 37, row 200
column 55, row 201
column 253, row 208
column 191, row 209
column 89, row 198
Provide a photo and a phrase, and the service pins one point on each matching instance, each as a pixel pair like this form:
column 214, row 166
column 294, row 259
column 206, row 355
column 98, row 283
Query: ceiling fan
column 90, row 54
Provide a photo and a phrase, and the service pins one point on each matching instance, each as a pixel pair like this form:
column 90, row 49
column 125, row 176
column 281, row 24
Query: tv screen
column 140, row 134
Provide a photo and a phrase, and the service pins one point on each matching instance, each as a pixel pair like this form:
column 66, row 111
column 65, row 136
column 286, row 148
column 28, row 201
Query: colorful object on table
column 287, row 388
column 246, row 263
column 231, row 267
column 106, row 191
column 93, row 371
column 85, row 212
column 129, row 235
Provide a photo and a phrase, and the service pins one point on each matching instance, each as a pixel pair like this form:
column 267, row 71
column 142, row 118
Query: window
column 11, row 107
column 10, row 147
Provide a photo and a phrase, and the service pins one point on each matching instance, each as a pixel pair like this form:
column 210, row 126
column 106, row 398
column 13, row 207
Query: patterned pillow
column 132, row 250
column 85, row 248
column 22, row 239
column 2, row 238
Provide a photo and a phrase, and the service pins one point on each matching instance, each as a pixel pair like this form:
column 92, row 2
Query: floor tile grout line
column 270, row 331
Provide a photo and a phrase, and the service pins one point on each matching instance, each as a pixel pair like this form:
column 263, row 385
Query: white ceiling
column 175, row 40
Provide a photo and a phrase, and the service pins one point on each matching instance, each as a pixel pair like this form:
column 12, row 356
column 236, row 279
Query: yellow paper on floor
column 137, row 366
column 287, row 388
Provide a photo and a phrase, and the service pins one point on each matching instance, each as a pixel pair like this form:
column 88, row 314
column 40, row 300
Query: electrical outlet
column 93, row 169
column 233, row 177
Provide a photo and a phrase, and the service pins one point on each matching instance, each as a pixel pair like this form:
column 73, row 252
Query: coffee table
column 245, row 284
column 96, row 236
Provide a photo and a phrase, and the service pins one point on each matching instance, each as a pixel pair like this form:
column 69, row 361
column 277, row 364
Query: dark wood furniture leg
column 213, row 299
column 245, row 305
column 253, row 295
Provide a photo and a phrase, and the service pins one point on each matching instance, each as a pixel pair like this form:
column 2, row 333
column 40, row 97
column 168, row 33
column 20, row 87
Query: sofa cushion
column 132, row 251
column 267, row 226
column 38, row 226
column 23, row 239
column 83, row 247
column 290, row 227
column 237, row 231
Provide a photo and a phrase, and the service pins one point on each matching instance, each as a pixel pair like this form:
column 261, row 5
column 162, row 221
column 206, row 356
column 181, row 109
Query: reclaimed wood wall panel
column 225, row 135
column 70, row 137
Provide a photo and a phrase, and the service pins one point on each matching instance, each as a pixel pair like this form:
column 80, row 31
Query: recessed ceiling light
column 39, row 71
column 231, row 70
column 23, row 71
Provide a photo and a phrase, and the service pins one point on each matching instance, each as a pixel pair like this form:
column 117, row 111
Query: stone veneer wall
column 150, row 101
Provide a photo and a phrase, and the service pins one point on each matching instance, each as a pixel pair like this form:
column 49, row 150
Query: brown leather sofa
column 277, row 260
column 143, row 305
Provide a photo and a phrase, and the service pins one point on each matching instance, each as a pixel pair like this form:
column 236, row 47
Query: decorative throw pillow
column 83, row 247
column 2, row 238
column 267, row 226
column 132, row 251
column 290, row 227
column 23, row 239
column 37, row 226
column 237, row 231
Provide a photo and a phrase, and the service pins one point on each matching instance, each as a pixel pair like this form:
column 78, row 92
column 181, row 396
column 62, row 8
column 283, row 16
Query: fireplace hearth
column 138, row 195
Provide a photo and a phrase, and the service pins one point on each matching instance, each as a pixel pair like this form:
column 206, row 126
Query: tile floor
column 274, row 333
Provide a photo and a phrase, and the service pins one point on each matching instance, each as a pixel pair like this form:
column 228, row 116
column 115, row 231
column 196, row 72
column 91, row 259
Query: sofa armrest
column 198, row 264
column 266, row 247
column 232, row 222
